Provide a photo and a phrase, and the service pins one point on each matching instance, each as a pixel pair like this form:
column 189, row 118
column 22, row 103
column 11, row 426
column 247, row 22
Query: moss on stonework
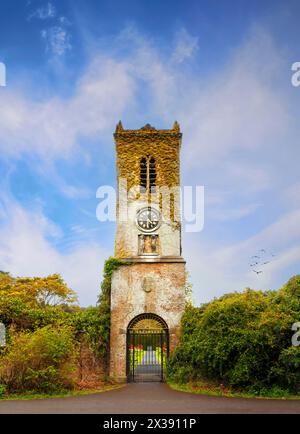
column 122, row 253
column 163, row 145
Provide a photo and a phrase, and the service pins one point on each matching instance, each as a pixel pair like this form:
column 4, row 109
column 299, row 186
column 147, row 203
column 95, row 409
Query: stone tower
column 151, row 283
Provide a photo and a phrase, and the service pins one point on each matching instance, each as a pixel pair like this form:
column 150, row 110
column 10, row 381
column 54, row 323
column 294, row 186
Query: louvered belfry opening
column 148, row 175
column 143, row 181
column 152, row 175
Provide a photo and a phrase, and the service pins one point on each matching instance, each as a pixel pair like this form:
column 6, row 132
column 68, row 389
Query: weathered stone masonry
column 151, row 283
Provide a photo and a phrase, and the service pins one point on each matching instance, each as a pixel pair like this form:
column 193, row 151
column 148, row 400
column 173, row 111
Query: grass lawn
column 203, row 388
column 62, row 394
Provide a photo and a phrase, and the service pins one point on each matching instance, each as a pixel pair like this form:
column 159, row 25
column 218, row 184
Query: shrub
column 2, row 390
column 49, row 336
column 44, row 360
column 286, row 371
column 88, row 322
column 242, row 340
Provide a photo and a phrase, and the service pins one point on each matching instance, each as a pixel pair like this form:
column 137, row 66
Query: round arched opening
column 147, row 348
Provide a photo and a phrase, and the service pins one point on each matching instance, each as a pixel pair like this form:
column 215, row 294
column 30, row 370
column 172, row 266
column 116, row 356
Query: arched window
column 148, row 175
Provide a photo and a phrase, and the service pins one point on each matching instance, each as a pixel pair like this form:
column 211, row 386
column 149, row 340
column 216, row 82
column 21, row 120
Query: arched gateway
column 147, row 348
column 147, row 290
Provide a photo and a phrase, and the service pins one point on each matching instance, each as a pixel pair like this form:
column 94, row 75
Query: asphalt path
column 149, row 369
column 149, row 398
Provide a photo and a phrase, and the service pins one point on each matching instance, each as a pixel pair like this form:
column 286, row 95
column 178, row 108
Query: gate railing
column 147, row 352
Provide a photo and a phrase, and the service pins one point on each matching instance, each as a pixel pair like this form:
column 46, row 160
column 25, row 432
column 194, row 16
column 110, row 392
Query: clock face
column 148, row 219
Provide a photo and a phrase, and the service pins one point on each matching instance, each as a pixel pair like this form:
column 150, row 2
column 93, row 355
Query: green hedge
column 242, row 340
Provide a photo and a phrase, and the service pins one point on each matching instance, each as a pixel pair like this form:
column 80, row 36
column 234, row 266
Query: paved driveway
column 149, row 398
column 149, row 369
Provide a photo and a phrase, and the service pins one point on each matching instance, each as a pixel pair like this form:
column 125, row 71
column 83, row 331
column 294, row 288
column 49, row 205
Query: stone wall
column 126, row 245
column 132, row 296
column 91, row 370
column 164, row 147
column 156, row 283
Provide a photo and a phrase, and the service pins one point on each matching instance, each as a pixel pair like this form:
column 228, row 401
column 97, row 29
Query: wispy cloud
column 218, row 269
column 239, row 107
column 27, row 241
column 43, row 12
column 237, row 135
column 226, row 213
column 58, row 40
column 186, row 46
column 57, row 36
column 52, row 129
column 292, row 194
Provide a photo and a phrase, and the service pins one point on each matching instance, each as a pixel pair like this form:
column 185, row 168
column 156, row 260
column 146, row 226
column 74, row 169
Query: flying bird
column 263, row 257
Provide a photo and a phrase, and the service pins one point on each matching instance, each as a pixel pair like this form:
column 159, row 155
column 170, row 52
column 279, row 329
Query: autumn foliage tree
column 41, row 291
column 52, row 343
column 33, row 302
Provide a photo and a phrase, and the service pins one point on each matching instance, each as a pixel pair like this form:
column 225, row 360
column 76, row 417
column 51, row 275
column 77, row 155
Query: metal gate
column 147, row 352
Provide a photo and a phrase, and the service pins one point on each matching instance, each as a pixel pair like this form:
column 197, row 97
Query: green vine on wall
column 110, row 265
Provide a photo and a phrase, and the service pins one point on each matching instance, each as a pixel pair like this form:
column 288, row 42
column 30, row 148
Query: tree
column 38, row 291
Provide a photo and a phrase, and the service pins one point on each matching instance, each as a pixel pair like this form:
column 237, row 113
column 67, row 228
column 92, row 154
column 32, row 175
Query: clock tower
column 148, row 289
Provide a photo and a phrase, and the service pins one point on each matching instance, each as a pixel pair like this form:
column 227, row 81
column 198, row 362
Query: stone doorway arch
column 147, row 348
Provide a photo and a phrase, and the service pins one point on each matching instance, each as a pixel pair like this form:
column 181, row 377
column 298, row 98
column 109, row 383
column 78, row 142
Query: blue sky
column 221, row 68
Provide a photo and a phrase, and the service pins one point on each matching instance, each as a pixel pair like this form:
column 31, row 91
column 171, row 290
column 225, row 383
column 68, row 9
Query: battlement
column 148, row 130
